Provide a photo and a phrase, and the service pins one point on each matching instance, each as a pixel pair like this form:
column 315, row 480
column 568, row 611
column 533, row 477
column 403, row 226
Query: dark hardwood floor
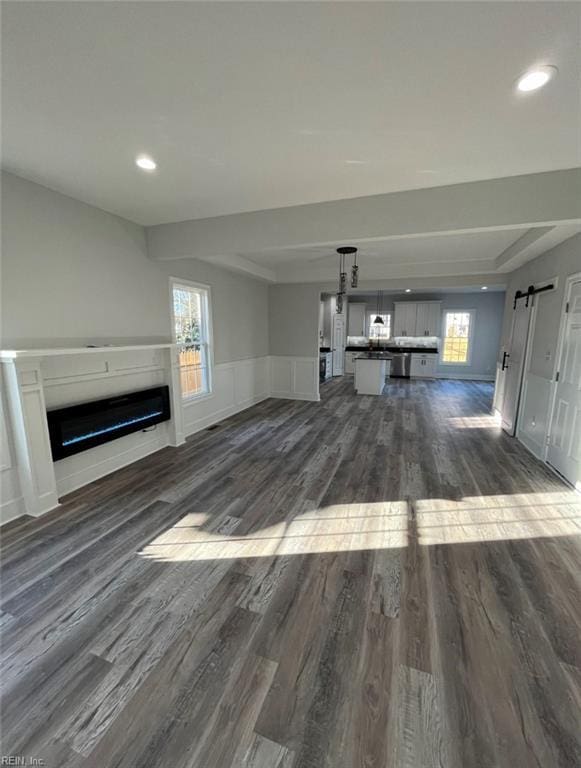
column 359, row 583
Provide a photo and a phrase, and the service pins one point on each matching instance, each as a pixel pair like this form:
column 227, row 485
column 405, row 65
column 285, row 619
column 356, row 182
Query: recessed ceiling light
column 535, row 78
column 146, row 163
column 484, row 288
column 408, row 290
column 355, row 162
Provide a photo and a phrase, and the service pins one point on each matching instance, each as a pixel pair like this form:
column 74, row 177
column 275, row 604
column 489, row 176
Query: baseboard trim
column 295, row 396
column 223, row 413
column 465, row 376
column 10, row 510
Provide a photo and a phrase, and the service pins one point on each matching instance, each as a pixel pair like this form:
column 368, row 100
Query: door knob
column 505, row 356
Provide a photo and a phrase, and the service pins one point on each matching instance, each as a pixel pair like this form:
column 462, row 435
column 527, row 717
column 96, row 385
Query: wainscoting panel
column 295, row 378
column 236, row 386
column 534, row 412
column 75, row 471
column 67, row 380
column 11, row 501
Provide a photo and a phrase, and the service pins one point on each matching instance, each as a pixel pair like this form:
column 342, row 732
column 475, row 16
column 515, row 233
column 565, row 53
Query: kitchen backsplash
column 396, row 341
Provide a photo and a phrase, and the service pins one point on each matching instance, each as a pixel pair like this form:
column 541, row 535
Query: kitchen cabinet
column 423, row 365
column 428, row 318
column 404, row 323
column 371, row 375
column 350, row 360
column 356, row 323
column 328, row 365
column 417, row 318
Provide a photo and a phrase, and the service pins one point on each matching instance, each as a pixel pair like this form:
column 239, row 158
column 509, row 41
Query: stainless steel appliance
column 401, row 363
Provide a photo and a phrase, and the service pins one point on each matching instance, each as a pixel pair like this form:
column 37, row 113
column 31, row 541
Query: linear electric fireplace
column 79, row 427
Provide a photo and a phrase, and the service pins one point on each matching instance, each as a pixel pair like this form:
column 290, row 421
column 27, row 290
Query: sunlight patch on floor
column 474, row 422
column 498, row 518
column 337, row 528
column 373, row 526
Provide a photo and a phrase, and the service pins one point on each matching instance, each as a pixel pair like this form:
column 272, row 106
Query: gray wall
column 293, row 320
column 72, row 273
column 487, row 330
column 559, row 262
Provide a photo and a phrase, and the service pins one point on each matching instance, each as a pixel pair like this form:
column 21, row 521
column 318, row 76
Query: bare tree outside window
column 191, row 324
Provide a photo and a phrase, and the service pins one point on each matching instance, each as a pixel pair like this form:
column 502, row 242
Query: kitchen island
column 371, row 371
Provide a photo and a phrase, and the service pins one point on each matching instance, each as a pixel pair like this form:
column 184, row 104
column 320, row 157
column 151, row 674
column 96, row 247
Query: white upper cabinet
column 422, row 319
column 356, row 324
column 417, row 318
column 405, row 318
column 428, row 318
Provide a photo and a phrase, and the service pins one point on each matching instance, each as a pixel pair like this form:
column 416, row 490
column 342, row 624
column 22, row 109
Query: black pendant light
column 378, row 318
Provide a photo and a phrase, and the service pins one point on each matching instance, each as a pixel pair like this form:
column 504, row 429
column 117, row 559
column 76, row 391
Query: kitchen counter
column 371, row 371
column 421, row 350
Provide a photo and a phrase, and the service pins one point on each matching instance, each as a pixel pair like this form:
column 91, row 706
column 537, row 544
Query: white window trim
column 452, row 311
column 368, row 323
column 176, row 282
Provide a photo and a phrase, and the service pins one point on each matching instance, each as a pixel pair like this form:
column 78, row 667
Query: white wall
column 73, row 274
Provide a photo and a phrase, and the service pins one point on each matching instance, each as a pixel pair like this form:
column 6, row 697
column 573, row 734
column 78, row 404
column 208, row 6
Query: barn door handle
column 504, row 365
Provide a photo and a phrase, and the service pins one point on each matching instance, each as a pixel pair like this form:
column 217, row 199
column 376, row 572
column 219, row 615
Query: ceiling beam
column 532, row 243
column 530, row 201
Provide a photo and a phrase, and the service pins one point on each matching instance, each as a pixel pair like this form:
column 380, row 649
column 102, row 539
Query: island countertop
column 393, row 350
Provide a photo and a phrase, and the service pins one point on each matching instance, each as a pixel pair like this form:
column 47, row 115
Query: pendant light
column 354, row 270
column 378, row 318
column 342, row 277
column 347, row 250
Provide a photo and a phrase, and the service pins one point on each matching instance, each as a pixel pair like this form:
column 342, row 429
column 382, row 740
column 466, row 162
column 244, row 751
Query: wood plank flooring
column 363, row 582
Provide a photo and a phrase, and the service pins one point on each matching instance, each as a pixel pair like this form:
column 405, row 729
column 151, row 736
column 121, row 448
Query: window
column 378, row 331
column 458, row 326
column 192, row 334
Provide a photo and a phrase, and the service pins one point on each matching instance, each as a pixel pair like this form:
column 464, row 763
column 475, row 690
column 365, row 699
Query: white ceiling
column 467, row 246
column 249, row 106
column 432, row 255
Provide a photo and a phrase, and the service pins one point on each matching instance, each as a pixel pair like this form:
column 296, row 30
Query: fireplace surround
column 77, row 428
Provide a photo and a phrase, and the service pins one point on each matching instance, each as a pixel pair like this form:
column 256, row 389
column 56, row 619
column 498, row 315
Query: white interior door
column 498, row 400
column 565, row 437
column 513, row 364
column 338, row 345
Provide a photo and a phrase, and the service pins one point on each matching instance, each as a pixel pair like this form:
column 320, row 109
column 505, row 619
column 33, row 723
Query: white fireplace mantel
column 26, row 387
column 18, row 354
